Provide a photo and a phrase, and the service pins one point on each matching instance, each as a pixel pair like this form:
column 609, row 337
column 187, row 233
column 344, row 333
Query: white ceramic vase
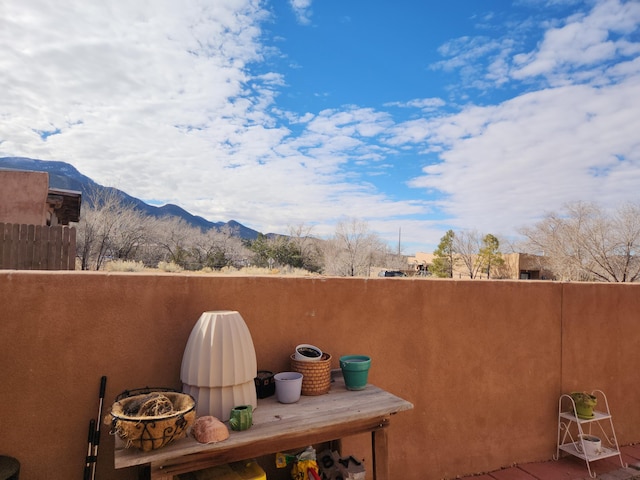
column 219, row 364
column 218, row 401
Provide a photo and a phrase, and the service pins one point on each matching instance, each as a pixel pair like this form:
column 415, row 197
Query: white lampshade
column 219, row 364
column 219, row 352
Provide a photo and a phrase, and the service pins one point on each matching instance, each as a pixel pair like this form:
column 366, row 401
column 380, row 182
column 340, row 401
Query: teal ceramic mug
column 241, row 417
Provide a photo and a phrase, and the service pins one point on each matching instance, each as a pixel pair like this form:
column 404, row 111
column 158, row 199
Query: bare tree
column 477, row 253
column 587, row 243
column 467, row 245
column 131, row 231
column 219, row 248
column 353, row 250
column 110, row 228
column 625, row 261
column 86, row 237
column 177, row 238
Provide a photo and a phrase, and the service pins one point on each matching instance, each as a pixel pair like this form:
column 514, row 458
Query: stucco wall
column 23, row 197
column 482, row 362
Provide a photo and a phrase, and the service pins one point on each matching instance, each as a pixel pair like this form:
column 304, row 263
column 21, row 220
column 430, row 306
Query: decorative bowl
column 151, row 420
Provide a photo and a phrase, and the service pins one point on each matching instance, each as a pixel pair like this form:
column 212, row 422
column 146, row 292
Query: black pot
column 265, row 384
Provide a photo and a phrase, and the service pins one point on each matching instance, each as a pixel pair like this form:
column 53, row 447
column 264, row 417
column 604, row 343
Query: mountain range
column 65, row 176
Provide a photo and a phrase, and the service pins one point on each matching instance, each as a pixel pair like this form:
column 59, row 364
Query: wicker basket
column 317, row 374
column 152, row 432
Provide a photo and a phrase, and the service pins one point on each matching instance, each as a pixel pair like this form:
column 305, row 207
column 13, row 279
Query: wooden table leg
column 379, row 443
column 336, row 446
column 160, row 476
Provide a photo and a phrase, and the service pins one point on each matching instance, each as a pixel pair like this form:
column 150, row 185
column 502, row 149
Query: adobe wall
column 23, row 197
column 482, row 362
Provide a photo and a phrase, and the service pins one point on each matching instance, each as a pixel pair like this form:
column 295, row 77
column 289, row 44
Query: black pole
column 96, row 437
column 89, row 460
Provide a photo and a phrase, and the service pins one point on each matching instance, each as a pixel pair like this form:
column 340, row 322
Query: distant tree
column 587, row 243
column 477, row 253
column 261, row 250
column 309, row 247
column 177, row 239
column 489, row 255
column 466, row 247
column 110, row 228
column 218, row 248
column 444, row 257
column 278, row 249
column 131, row 231
column 86, row 237
column 353, row 250
column 393, row 261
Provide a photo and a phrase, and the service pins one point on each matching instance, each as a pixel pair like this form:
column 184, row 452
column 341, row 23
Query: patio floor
column 571, row 468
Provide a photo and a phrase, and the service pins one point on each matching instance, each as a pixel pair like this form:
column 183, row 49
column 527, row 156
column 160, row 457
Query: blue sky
column 413, row 115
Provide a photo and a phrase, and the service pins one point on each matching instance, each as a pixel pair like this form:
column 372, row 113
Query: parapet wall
column 483, row 362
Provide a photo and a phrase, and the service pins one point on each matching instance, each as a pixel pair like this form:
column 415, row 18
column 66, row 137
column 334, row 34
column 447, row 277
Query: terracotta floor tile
column 513, row 473
column 569, row 468
column 563, row 469
column 606, row 465
column 631, row 453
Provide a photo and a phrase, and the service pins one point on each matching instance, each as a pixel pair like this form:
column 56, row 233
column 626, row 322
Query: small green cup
column 241, row 417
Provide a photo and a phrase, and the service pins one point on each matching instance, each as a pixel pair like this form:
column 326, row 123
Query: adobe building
column 34, row 219
column 25, row 198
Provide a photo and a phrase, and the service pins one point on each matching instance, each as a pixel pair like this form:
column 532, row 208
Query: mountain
column 65, row 176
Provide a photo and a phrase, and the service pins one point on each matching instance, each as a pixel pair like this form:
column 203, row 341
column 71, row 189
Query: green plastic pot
column 585, row 403
column 355, row 370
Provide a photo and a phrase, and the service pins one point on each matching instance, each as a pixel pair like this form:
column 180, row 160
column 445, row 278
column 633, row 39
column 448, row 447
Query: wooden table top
column 334, row 415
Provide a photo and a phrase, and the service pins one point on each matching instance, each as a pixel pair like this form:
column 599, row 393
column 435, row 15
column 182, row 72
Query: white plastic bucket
column 288, row 386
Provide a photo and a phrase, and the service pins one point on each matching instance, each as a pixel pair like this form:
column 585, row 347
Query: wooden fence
column 37, row 247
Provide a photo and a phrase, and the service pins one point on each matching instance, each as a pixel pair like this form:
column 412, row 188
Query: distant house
column 522, row 266
column 34, row 219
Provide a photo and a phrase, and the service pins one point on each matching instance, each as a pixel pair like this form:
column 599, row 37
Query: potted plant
column 585, row 403
column 590, row 445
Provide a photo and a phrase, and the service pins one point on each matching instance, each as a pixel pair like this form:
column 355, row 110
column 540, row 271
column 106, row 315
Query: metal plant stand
column 569, row 425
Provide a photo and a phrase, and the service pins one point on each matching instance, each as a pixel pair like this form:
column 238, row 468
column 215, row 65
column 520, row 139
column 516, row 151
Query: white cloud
column 503, row 167
column 425, row 104
column 583, row 42
column 302, row 10
column 161, row 100
column 482, row 62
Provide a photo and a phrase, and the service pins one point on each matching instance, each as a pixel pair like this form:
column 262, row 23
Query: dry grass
column 170, row 267
column 124, row 266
